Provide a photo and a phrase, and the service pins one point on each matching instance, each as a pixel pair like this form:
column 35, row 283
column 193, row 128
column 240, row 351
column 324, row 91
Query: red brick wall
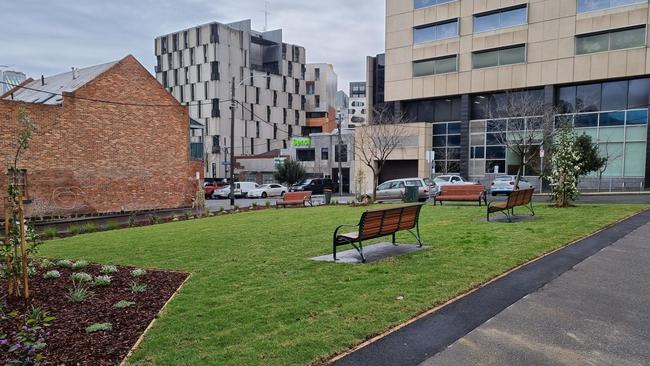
column 89, row 157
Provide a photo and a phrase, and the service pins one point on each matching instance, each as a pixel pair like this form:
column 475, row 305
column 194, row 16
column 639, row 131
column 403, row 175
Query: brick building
column 88, row 155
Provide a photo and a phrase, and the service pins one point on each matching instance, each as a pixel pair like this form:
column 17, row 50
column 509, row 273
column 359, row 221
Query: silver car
column 505, row 184
column 395, row 189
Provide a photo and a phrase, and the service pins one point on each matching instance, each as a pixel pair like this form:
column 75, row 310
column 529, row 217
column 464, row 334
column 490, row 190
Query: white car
column 241, row 190
column 444, row 180
column 505, row 184
column 268, row 190
column 395, row 189
column 223, row 192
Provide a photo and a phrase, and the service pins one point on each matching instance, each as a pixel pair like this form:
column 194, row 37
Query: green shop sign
column 300, row 141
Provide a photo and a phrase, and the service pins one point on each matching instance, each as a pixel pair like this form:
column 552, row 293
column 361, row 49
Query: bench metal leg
column 360, row 250
column 394, row 239
column 416, row 234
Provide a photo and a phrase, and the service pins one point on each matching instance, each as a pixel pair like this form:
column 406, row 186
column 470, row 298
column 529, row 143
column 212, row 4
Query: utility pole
column 338, row 122
column 232, row 143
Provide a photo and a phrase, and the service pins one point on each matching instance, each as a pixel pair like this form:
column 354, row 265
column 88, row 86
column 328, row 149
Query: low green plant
column 267, row 203
column 254, row 205
column 45, row 264
column 52, row 274
column 112, row 225
column 102, row 281
column 153, row 219
column 51, row 232
column 132, row 220
column 221, row 209
column 108, row 269
column 89, row 227
column 64, row 263
column 79, row 265
column 187, row 215
column 81, row 277
column 79, row 294
column 137, row 288
column 138, row 272
column 25, row 346
column 123, row 304
column 236, row 207
column 99, row 327
column 75, row 229
column 175, row 218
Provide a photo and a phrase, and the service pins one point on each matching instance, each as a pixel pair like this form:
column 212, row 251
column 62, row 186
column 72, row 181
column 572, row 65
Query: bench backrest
column 296, row 196
column 466, row 189
column 520, row 197
column 376, row 223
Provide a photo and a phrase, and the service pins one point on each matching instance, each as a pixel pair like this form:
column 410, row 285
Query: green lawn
column 256, row 299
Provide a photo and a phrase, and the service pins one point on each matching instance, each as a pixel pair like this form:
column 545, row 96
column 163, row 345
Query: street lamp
column 233, row 106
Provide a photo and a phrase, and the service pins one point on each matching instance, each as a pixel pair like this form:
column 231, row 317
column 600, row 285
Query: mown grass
column 255, row 298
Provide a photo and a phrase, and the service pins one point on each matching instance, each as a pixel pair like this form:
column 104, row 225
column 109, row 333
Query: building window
column 192, row 93
column 317, row 101
column 324, row 154
column 163, row 44
column 186, row 40
column 214, row 68
column 198, row 109
column 297, row 117
column 499, row 57
column 608, row 96
column 310, row 87
column 198, row 36
column 290, row 100
column 305, row 154
column 268, row 114
column 591, row 5
column 275, row 131
column 435, row 66
column 317, row 74
column 418, row 4
column 205, row 53
column 284, row 84
column 290, row 68
column 192, row 56
column 198, row 73
column 275, row 98
column 257, row 129
column 268, row 144
column 284, row 116
column 303, row 71
column 611, row 40
column 433, row 32
column 446, row 147
column 296, row 54
column 174, row 42
column 341, row 153
column 214, row 33
column 252, row 146
column 303, row 102
column 296, row 87
column 215, row 108
column 164, row 79
column 187, row 75
column 502, row 18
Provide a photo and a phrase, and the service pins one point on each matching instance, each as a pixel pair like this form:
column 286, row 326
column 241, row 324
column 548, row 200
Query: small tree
column 376, row 142
column 565, row 167
column 590, row 159
column 290, row 172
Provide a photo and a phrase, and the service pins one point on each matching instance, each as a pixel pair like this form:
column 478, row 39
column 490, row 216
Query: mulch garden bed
column 67, row 340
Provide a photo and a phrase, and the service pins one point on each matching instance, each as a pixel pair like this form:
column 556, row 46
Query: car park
column 505, row 184
column 268, row 190
column 395, row 189
column 314, row 185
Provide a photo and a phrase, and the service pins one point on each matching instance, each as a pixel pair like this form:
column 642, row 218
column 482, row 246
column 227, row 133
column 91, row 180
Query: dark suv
column 315, row 185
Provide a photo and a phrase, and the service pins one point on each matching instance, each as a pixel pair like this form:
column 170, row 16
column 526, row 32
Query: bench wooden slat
column 522, row 197
column 466, row 192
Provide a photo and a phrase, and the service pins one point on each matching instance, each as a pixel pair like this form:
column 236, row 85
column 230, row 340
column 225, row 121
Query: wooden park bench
column 377, row 223
column 522, row 197
column 294, row 199
column 468, row 192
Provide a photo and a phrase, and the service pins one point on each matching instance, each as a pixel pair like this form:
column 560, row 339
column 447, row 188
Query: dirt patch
column 67, row 340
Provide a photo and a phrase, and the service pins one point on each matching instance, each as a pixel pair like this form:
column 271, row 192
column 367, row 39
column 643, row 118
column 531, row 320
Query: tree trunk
column 375, row 181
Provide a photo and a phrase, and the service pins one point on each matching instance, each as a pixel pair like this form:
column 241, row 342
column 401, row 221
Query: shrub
column 123, row 304
column 81, row 277
column 75, row 229
column 108, row 269
column 153, row 219
column 187, row 215
column 254, row 205
column 267, row 203
column 132, row 220
column 89, row 227
column 45, row 264
column 51, row 274
column 174, row 218
column 64, row 263
column 138, row 287
column 138, row 272
column 102, row 281
column 79, row 294
column 51, row 232
column 99, row 327
column 79, row 265
column 221, row 209
column 112, row 225
column 236, row 207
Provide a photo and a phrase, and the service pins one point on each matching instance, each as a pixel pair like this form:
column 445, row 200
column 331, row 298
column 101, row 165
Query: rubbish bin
column 411, row 194
column 328, row 196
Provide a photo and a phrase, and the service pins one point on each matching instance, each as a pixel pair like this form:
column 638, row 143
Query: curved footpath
column 584, row 304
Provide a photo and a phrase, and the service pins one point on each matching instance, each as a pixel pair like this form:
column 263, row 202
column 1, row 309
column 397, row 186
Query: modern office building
column 449, row 63
column 11, row 79
column 358, row 109
column 320, row 89
column 342, row 105
column 197, row 65
column 375, row 82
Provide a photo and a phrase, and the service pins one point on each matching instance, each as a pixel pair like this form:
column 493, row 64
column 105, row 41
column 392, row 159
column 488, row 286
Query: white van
column 242, row 188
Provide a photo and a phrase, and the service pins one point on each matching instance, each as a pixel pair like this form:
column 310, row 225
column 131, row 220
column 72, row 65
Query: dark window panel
column 612, row 119
column 614, row 96
column 638, row 93
column 588, row 98
column 586, row 120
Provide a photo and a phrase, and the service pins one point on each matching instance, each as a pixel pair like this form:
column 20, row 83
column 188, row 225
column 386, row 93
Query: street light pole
column 338, row 122
column 232, row 143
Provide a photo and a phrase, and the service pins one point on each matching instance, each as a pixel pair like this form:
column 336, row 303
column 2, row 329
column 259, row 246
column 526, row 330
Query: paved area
column 595, row 314
column 372, row 253
column 552, row 311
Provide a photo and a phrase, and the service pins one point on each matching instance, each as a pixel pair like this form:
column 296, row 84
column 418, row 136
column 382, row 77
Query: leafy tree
column 590, row 159
column 565, row 167
column 290, row 172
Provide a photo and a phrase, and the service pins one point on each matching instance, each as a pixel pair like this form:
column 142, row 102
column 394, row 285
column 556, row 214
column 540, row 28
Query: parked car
column 443, row 180
column 395, row 189
column 505, row 184
column 267, row 190
column 315, row 185
column 241, row 190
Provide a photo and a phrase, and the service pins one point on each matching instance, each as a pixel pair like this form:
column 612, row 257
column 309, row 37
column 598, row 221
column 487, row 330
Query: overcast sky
column 48, row 37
